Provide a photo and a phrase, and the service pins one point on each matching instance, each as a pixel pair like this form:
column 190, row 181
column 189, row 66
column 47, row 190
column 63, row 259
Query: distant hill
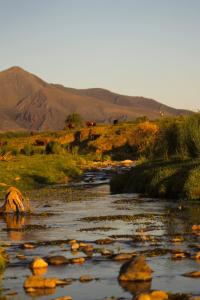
column 29, row 103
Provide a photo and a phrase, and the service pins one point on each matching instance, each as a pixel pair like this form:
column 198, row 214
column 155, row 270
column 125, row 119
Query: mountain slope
column 29, row 103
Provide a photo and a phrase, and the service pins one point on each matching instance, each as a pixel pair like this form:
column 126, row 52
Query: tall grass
column 178, row 138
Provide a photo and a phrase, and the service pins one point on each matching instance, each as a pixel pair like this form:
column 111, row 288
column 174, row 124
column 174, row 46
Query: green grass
column 165, row 179
column 27, row 172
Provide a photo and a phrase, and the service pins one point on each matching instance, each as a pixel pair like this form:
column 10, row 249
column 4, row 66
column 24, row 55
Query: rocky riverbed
column 108, row 229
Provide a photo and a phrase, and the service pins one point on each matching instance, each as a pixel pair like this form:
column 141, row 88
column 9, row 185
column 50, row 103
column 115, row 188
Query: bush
column 54, row 147
column 74, row 119
column 28, row 150
column 175, row 180
column 192, row 129
column 15, row 151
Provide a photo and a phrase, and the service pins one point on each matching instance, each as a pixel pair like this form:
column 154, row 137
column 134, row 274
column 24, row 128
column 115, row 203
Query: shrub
column 15, row 151
column 54, row 147
column 28, row 150
column 75, row 119
column 192, row 129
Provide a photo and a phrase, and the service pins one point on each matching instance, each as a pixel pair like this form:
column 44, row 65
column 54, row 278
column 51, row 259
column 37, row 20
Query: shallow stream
column 87, row 213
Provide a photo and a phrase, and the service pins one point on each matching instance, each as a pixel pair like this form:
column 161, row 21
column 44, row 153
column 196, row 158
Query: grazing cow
column 115, row 122
column 90, row 124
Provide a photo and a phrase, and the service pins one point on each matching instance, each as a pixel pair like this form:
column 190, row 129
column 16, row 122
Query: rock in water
column 14, row 202
column 57, row 260
column 155, row 295
column 38, row 282
column 38, row 263
column 136, row 270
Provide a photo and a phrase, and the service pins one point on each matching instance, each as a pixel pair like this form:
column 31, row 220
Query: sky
column 147, row 48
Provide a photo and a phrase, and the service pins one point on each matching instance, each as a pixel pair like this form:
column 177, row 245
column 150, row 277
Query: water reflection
column 135, row 288
column 41, row 292
column 15, row 224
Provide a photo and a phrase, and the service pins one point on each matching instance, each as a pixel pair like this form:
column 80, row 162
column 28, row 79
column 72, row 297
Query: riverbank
column 167, row 179
column 28, row 172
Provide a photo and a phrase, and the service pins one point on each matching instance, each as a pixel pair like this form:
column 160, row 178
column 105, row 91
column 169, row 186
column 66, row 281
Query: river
column 89, row 212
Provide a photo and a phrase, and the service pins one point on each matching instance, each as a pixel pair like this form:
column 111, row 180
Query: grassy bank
column 167, row 179
column 27, row 172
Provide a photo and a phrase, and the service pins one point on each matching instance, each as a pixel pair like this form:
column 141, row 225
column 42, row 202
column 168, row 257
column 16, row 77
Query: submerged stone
column 136, row 270
column 57, row 260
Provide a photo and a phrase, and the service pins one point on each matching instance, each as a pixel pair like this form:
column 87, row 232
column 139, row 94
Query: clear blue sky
column 135, row 47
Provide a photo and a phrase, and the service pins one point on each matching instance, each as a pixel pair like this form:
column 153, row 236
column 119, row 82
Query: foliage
column 173, row 179
column 53, row 147
column 28, row 150
column 74, row 119
column 34, row 171
column 178, row 137
column 192, row 128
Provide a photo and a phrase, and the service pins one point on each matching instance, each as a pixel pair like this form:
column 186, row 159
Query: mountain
column 29, row 103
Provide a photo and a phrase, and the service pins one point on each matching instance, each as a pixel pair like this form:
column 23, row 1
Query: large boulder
column 136, row 270
column 14, row 202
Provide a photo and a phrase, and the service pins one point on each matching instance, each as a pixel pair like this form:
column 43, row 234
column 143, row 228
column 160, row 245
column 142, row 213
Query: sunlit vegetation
column 166, row 149
column 172, row 165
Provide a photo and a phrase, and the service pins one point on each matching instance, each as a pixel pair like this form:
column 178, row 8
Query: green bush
column 74, row 119
column 172, row 179
column 15, row 151
column 192, row 129
column 28, row 150
column 54, row 147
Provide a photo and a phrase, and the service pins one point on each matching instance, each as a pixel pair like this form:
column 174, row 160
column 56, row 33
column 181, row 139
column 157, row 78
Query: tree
column 74, row 120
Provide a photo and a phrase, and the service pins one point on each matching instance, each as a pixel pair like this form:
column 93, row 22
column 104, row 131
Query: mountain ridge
column 29, row 103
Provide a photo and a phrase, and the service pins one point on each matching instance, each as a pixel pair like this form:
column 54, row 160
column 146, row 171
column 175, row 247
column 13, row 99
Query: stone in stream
column 177, row 239
column 197, row 255
column 196, row 227
column 14, row 202
column 85, row 278
column 57, row 260
column 155, row 295
column 106, row 252
column 21, row 256
column 124, row 256
column 38, row 262
column 28, row 246
column 180, row 255
column 194, row 274
column 38, row 282
column 86, row 247
column 105, row 241
column 74, row 247
column 64, row 298
column 78, row 260
column 135, row 270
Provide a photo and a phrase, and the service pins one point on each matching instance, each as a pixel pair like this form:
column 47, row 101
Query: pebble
column 64, row 298
column 85, row 278
column 104, row 241
column 78, row 260
column 28, row 246
column 124, row 256
column 74, row 246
